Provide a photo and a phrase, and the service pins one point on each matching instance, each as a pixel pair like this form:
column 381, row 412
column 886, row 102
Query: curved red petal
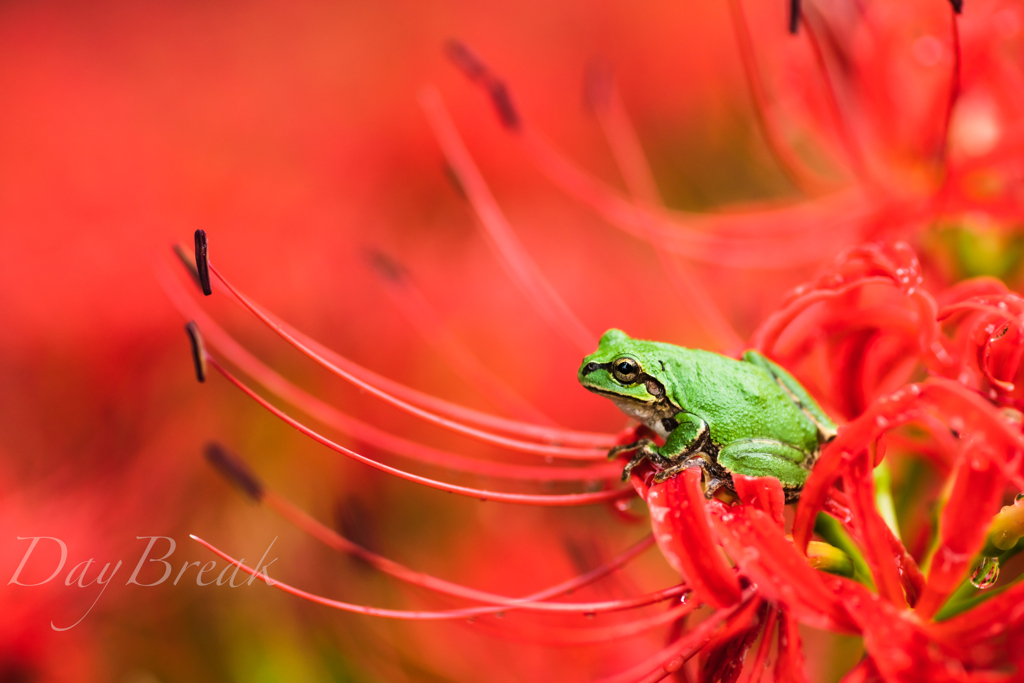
column 782, row 574
column 976, row 496
column 681, row 527
column 764, row 493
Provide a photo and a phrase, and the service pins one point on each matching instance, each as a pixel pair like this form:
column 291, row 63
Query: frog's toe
column 713, row 485
column 628, row 469
column 674, row 470
column 616, row 451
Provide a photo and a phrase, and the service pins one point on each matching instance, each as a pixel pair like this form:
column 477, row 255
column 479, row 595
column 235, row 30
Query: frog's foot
column 645, row 450
column 712, row 485
column 676, row 467
column 713, row 479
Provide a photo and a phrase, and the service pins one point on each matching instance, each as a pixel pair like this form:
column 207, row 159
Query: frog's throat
column 654, row 414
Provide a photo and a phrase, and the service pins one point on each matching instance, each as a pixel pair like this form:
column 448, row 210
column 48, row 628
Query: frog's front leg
column 642, row 449
column 688, row 437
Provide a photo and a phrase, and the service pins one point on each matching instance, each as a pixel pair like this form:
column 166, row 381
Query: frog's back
column 737, row 399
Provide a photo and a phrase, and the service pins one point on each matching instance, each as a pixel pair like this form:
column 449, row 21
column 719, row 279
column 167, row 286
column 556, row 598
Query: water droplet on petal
column 986, row 574
column 589, row 615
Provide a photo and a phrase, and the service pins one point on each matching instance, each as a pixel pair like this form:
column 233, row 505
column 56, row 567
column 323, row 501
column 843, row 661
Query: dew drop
column 589, row 615
column 986, row 574
column 499, row 615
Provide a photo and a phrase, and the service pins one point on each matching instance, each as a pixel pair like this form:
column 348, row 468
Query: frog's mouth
column 621, row 397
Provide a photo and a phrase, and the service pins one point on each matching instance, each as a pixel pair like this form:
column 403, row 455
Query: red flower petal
column 782, row 574
column 683, row 532
column 764, row 493
column 977, row 494
column 724, row 657
column 872, row 531
column 789, row 664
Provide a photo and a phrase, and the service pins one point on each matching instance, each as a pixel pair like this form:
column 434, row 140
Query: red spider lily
column 915, row 107
column 911, row 372
column 736, row 557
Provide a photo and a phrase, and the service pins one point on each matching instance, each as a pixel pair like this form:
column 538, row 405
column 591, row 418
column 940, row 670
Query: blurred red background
column 292, row 134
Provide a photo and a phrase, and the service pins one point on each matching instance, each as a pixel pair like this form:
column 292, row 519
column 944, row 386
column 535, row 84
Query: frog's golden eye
column 626, row 370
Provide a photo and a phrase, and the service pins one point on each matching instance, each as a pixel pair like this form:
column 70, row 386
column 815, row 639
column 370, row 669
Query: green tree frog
column 726, row 416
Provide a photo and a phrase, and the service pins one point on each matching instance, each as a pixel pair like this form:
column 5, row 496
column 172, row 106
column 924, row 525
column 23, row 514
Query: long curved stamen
column 502, row 238
column 629, row 157
column 328, row 415
column 561, row 637
column 671, row 658
column 524, row 498
column 954, row 86
column 238, row 473
column 854, row 153
column 336, row 362
column 699, row 236
column 334, row 540
column 421, row 314
column 765, row 236
column 802, row 177
column 756, row 670
column 463, row 613
column 458, row 427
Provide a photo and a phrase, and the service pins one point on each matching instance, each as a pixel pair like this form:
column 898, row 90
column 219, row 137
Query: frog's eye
column 626, row 370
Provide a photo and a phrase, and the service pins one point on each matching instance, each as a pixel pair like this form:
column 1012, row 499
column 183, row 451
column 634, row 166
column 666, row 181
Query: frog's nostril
column 590, row 367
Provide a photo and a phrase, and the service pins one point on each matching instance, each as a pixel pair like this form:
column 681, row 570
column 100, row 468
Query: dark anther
column 503, row 103
column 466, row 60
column 475, row 70
column 794, row 16
column 198, row 350
column 590, row 367
column 354, row 520
column 958, row 5
column 203, row 262
column 456, row 182
column 386, row 267
column 187, row 261
column 234, row 469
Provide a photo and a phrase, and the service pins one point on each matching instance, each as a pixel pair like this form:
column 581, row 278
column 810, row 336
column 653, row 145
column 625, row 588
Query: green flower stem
column 833, row 532
column 883, row 496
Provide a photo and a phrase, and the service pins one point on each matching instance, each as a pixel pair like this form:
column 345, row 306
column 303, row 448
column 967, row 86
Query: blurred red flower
column 931, row 374
column 888, row 122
